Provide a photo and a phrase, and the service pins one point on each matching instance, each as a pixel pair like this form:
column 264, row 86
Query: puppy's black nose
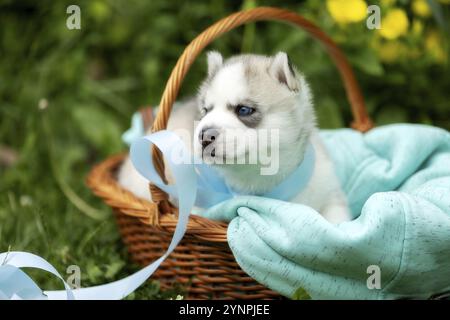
column 207, row 136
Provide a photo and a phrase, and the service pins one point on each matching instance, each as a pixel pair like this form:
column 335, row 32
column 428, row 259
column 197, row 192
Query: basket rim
column 162, row 213
column 102, row 181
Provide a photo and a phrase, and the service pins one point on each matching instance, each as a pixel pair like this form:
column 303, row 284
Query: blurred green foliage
column 67, row 95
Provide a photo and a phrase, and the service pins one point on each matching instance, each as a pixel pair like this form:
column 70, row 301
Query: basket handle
column 361, row 120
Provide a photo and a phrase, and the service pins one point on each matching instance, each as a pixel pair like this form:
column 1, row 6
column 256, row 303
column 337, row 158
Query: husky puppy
column 246, row 94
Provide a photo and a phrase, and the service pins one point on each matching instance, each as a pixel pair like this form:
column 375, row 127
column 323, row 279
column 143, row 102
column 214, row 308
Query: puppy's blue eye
column 243, row 111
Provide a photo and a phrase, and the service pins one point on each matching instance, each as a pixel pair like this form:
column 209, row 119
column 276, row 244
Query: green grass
column 41, row 212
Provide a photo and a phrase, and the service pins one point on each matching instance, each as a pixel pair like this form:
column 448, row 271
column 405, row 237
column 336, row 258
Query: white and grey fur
column 282, row 100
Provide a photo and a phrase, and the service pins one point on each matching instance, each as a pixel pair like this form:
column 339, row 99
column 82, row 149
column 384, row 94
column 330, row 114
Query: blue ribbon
column 17, row 285
column 194, row 184
column 212, row 188
column 14, row 284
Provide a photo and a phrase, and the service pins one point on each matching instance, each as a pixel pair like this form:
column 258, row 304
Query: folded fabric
column 397, row 180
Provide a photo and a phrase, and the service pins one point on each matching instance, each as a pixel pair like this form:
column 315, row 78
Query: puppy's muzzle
column 207, row 136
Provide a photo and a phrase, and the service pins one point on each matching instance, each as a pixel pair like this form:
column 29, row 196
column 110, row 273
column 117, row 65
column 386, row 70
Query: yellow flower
column 394, row 24
column 347, row 11
column 433, row 44
column 421, row 8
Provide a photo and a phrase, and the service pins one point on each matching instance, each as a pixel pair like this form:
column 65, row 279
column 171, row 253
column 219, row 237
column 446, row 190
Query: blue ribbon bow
column 211, row 187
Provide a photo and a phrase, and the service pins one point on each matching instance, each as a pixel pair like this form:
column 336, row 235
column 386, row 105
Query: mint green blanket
column 397, row 179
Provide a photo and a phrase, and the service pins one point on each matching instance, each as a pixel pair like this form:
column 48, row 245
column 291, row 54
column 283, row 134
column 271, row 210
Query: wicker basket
column 203, row 261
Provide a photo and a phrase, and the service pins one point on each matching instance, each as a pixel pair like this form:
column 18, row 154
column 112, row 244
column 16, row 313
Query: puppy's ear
column 215, row 62
column 282, row 70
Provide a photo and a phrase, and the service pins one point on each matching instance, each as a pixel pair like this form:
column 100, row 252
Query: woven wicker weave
column 203, row 260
